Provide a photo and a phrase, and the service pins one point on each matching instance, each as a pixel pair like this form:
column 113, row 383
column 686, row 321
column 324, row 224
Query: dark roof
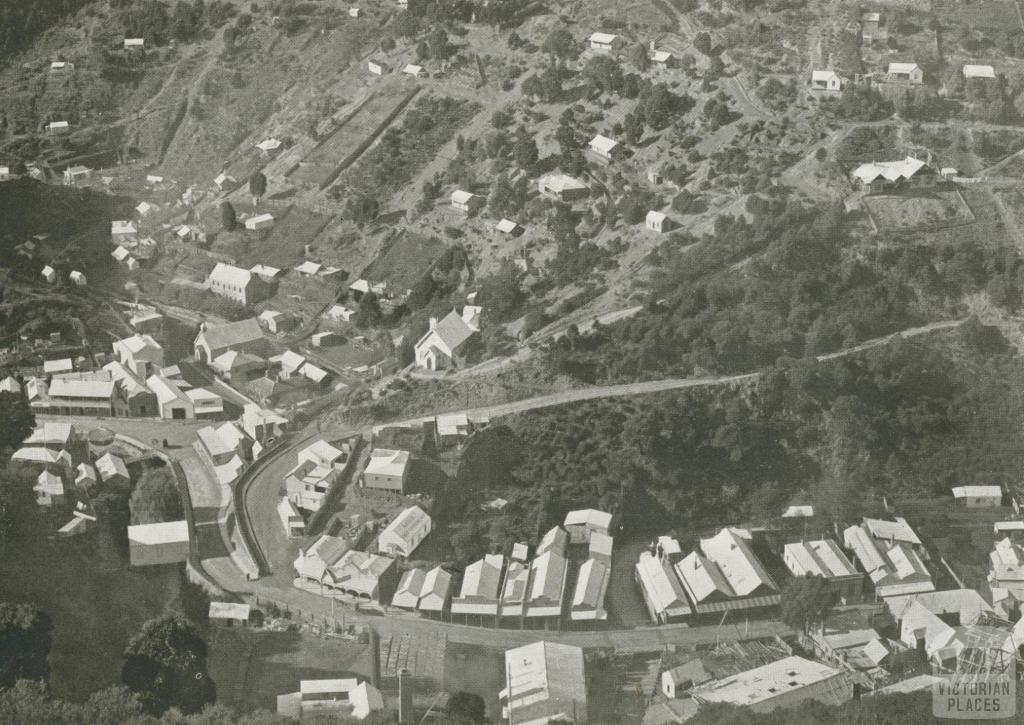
column 219, row 337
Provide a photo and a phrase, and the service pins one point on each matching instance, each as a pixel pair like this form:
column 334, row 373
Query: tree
column 488, row 459
column 603, row 73
column 16, row 420
column 368, row 314
column 361, row 208
column 24, row 644
column 559, row 43
column 467, row 707
column 228, row 218
column 500, row 293
column 497, row 201
column 257, row 185
column 639, row 58
column 525, row 153
column 806, row 602
column 155, row 498
column 165, row 665
column 702, row 42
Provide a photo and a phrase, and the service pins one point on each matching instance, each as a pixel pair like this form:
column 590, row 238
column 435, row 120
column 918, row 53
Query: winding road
column 261, row 494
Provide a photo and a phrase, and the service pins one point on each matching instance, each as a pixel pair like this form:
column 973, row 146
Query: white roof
column 340, row 312
column 482, row 578
column 661, row 585
column 385, row 462
column 269, row 144
column 229, row 610
column 1007, row 526
column 165, row 390
column 153, row 534
column 291, row 361
column 591, row 587
column 888, row 170
column 120, row 254
column 545, row 682
column 309, row 267
column 137, row 343
column 9, row 385
column 314, row 373
column 58, row 124
column 660, row 56
column 602, row 38
column 321, row 451
column 898, row 530
column 57, row 64
column 903, row 68
column 823, row 75
column 122, row 227
column 413, row 69
column 134, row 42
column 656, row 217
column 51, row 434
column 823, row 558
column 603, row 144
column 548, row 571
column 966, row 603
column 58, row 366
column 979, row 71
column 460, row 196
column 230, row 275
column 798, row 512
column 588, row 517
column 258, row 219
column 763, row 683
column 507, row 226
column 995, row 492
column 408, row 524
column 197, row 395
column 559, row 182
column 264, row 270
column 111, row 465
column 48, row 270
column 221, row 178
column 730, row 549
column 66, row 388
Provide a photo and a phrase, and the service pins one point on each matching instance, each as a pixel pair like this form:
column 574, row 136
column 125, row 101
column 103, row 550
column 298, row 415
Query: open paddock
column 906, row 212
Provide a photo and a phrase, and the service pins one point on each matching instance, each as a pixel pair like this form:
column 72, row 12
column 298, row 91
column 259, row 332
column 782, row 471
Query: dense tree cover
column 467, row 707
column 784, row 284
column 155, row 498
column 500, row 294
column 22, row 22
column 165, row 665
column 898, row 420
column 30, row 702
column 859, row 102
column 429, row 124
column 24, row 644
column 17, row 503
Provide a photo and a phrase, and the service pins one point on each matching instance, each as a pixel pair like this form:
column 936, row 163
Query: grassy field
column 96, row 608
column 900, row 213
column 404, row 260
column 251, row 668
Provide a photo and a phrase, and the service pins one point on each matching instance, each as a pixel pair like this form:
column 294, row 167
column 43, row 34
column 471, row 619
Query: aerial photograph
column 511, row 362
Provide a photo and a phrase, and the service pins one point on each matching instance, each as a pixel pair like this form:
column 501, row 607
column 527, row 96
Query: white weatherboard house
column 387, row 469
column 545, row 682
column 604, row 148
column 165, row 543
column 657, row 221
column 726, row 574
column 258, row 222
column 466, row 201
column 888, row 552
column 826, row 80
column 341, row 700
column 605, row 42
column 979, row 71
column 978, row 496
column 661, row 589
column 406, row 532
column 237, row 284
column 140, row 354
column 824, row 558
column 562, row 187
column 907, row 72
column 481, row 584
column 442, row 347
column 583, row 523
column 591, row 588
column 134, row 43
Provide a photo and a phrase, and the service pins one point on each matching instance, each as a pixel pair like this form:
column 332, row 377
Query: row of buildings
column 725, row 574
column 896, row 72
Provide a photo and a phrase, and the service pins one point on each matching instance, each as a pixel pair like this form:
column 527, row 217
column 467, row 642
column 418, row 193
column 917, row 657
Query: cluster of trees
column 896, row 421
column 796, row 293
column 427, row 126
column 159, row 23
column 912, row 709
column 22, row 23
column 155, row 498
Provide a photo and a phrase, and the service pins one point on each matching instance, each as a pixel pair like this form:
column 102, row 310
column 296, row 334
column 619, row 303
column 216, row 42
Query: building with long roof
column 545, row 682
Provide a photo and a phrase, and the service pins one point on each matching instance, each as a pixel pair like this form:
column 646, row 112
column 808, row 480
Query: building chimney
column 433, row 323
column 405, row 692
